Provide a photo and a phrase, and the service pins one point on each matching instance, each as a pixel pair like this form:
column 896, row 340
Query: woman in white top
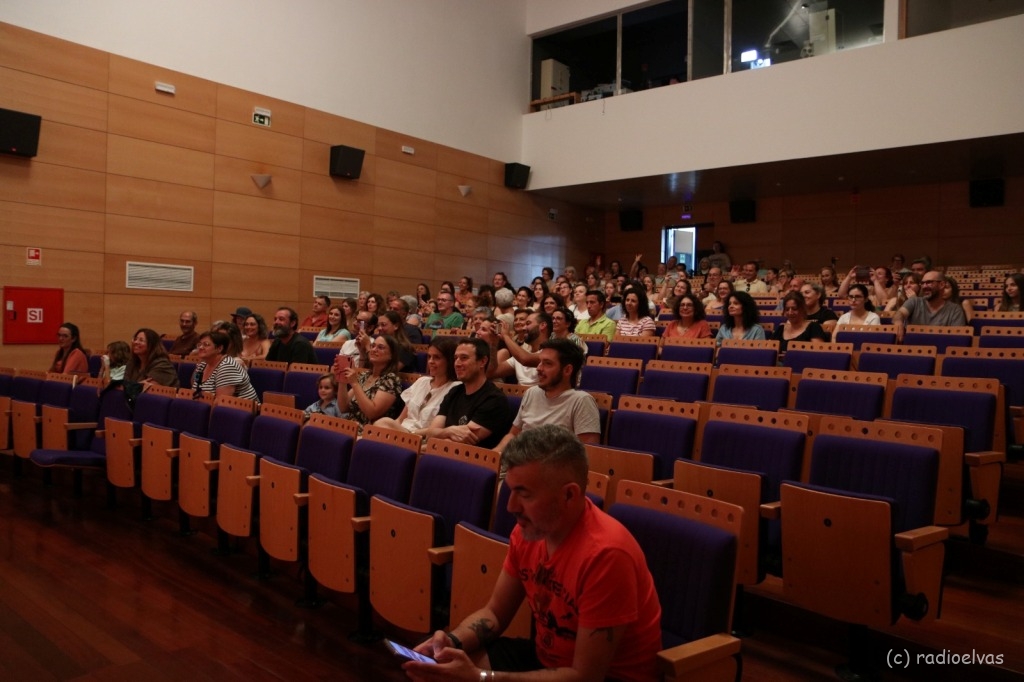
column 861, row 309
column 424, row 397
column 337, row 327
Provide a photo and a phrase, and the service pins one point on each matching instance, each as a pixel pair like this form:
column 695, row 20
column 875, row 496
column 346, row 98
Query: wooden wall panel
column 115, row 267
column 85, row 310
column 246, row 141
column 49, row 185
column 390, row 143
column 391, row 203
column 67, row 145
column 160, row 123
column 343, row 195
column 51, row 228
column 255, row 213
column 333, row 130
column 406, row 177
column 452, row 267
column 126, row 313
column 186, row 243
column 453, row 242
column 51, row 57
column 335, row 258
column 222, row 308
column 460, row 215
column 316, row 160
column 389, row 262
column 401, row 234
column 470, row 166
column 447, row 189
column 162, row 162
column 326, row 223
column 160, row 200
column 518, row 202
column 237, row 106
column 818, row 205
column 252, row 282
column 248, row 246
column 235, row 176
column 80, row 271
column 137, row 80
column 54, row 100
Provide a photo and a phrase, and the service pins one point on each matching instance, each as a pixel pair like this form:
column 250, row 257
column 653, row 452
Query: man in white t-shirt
column 518, row 361
column 554, row 400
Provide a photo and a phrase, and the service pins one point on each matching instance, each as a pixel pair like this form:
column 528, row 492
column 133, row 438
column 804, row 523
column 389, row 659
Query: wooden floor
column 89, row 593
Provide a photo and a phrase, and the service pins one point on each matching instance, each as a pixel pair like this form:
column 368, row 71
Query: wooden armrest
column 35, row 420
column 173, row 452
column 253, row 481
column 439, row 556
column 975, row 459
column 913, row 540
column 75, row 426
column 100, row 433
column 361, row 524
column 212, row 464
column 686, row 660
column 135, row 442
column 772, row 511
column 663, row 483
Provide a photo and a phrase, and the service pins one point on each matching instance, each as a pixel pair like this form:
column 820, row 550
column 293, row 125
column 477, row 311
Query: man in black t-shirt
column 475, row 412
column 289, row 345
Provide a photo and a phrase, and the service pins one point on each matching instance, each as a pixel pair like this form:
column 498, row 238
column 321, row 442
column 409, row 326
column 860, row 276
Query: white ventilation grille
column 158, row 276
column 335, row 287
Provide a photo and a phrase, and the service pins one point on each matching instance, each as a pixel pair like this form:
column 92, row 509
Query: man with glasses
column 446, row 316
column 930, row 307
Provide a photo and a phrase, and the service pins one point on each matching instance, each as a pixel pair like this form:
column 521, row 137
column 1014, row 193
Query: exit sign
column 261, row 119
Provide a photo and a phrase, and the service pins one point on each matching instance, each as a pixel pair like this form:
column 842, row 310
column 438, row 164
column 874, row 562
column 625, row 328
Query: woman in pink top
column 70, row 357
column 689, row 320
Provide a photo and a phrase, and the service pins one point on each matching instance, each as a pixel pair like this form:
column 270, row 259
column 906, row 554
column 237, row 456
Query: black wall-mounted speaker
column 19, row 133
column 743, row 211
column 346, row 162
column 516, row 175
column 987, row 192
column 631, row 220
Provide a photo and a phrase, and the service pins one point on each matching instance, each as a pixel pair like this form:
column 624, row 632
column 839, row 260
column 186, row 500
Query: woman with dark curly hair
column 741, row 319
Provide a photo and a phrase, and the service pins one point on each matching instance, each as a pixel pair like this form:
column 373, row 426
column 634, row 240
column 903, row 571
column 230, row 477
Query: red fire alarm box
column 32, row 315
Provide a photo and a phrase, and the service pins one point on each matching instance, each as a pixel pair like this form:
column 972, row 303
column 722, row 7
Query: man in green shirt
column 598, row 323
column 446, row 316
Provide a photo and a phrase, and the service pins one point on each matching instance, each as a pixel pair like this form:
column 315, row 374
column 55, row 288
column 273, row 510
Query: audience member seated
column 115, row 363
column 688, row 322
column 500, row 281
column 375, row 304
column 741, row 320
column 464, row 294
column 748, row 281
column 524, row 298
column 410, row 322
column 289, row 346
column 217, row 372
column 238, row 317
column 392, row 324
column 424, row 397
column 952, row 294
column 551, row 302
column 317, row 318
column 636, row 318
column 234, row 333
column 598, row 322
column 829, row 281
column 797, row 327
column 327, row 401
column 909, row 287
column 719, row 258
column 861, row 311
column 554, row 400
column 718, row 304
column 446, row 316
column 930, row 308
column 579, row 302
column 70, row 357
column 186, row 342
column 373, row 392
column 350, row 307
column 1010, row 302
column 149, row 363
column 672, row 290
column 814, row 299
column 336, row 328
column 255, row 343
column 563, row 324
column 519, row 361
column 476, row 411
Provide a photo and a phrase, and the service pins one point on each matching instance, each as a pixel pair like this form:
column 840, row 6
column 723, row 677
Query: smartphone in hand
column 407, row 653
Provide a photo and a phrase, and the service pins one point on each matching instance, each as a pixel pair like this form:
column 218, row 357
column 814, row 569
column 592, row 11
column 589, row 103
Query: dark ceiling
column 962, row 160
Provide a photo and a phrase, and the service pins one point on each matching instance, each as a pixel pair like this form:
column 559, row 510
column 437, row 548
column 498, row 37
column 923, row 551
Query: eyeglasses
column 204, row 344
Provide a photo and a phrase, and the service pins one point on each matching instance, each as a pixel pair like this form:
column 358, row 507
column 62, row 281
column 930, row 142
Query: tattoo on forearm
column 609, row 633
column 484, row 629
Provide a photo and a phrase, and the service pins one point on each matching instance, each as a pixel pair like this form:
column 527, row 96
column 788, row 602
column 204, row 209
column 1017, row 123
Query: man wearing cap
column 289, row 345
column 238, row 317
